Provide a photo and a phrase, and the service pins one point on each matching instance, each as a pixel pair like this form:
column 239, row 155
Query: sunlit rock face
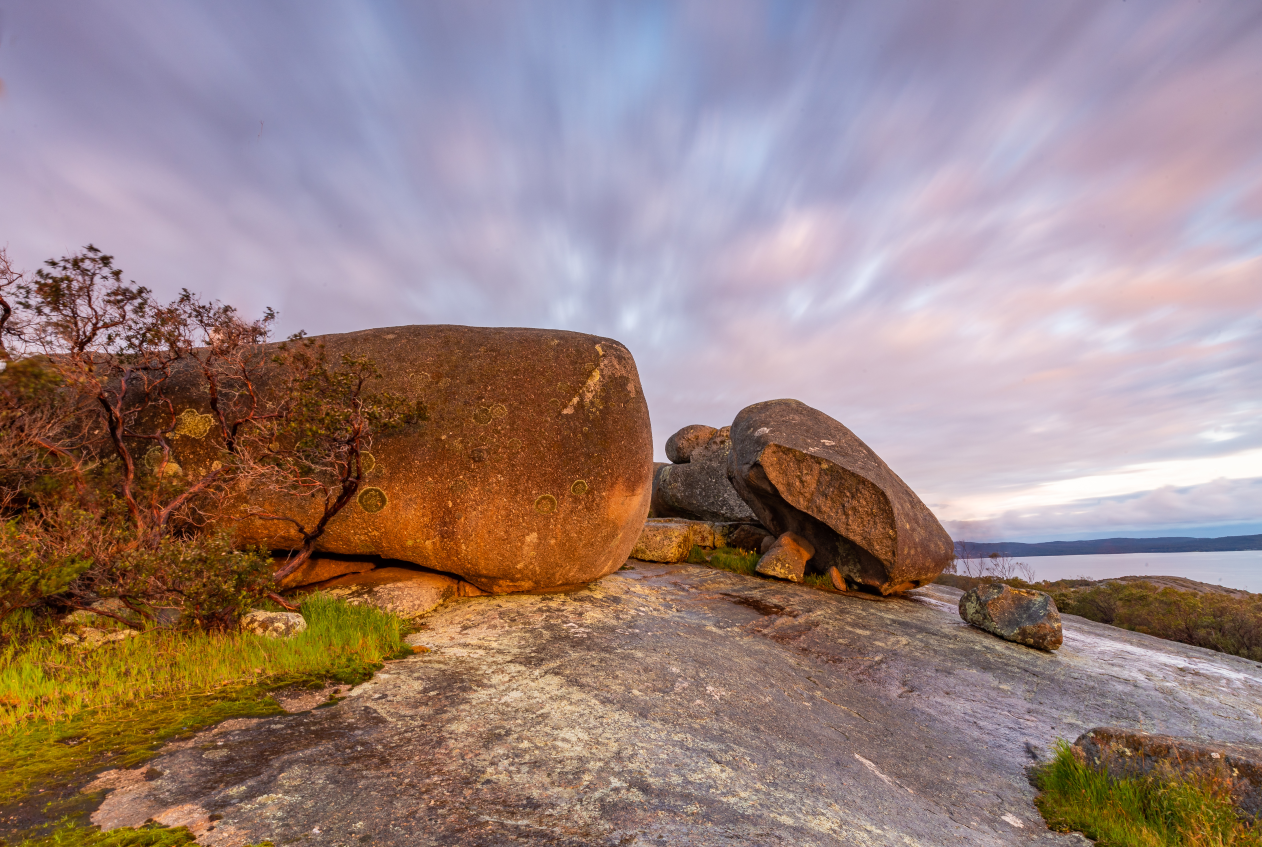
column 803, row 472
column 532, row 470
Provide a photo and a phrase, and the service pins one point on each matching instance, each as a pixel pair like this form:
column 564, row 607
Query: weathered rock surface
column 801, row 471
column 748, row 537
column 89, row 637
column 671, row 539
column 532, row 470
column 620, row 714
column 1131, row 753
column 787, row 558
column 407, row 593
column 700, row 489
column 681, row 445
column 1016, row 614
column 273, row 624
column 321, row 568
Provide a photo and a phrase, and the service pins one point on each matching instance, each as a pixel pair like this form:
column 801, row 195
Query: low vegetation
column 1223, row 622
column 1139, row 812
column 72, row 834
column 67, row 713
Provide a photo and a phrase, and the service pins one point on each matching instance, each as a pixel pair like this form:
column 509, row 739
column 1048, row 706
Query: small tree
column 94, row 367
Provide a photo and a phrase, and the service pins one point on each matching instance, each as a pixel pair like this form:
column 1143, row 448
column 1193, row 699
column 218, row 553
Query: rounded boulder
column 531, row 468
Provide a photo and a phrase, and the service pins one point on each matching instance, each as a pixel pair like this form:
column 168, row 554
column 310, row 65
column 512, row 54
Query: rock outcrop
column 531, row 470
column 697, row 488
column 671, row 539
column 801, row 471
column 787, row 557
column 678, row 705
column 1015, row 614
column 1123, row 753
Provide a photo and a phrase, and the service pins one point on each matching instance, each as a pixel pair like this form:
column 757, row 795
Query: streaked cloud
column 1016, row 247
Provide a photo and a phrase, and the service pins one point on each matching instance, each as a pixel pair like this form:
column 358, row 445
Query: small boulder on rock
column 787, row 557
column 698, row 488
column 1015, row 614
column 1127, row 753
column 681, row 445
column 801, row 471
column 273, row 624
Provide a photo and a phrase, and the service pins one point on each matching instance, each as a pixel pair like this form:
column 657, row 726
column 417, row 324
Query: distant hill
column 973, row 549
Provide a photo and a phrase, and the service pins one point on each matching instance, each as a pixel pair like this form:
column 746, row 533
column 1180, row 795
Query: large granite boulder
column 1015, row 614
column 531, row 471
column 801, row 471
column 698, row 487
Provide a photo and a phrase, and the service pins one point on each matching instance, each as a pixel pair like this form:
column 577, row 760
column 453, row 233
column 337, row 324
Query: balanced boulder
column 681, row 445
column 531, row 468
column 698, row 487
column 801, row 471
column 1015, row 614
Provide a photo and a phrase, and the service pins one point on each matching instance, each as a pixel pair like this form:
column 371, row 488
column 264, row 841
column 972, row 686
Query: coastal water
column 1236, row 569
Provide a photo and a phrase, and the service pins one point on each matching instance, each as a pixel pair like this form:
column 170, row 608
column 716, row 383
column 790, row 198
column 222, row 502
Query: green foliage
column 1222, row 622
column 32, row 569
column 44, row 681
column 71, row 834
column 1138, row 812
column 212, row 583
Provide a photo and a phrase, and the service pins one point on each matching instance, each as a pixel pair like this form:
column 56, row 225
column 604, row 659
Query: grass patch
column 67, row 713
column 71, row 834
column 725, row 559
column 1138, row 812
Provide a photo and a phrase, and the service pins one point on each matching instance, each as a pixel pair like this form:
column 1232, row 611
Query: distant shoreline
column 1098, row 546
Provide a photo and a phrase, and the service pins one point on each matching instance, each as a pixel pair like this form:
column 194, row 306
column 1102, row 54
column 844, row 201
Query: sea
column 1235, row 569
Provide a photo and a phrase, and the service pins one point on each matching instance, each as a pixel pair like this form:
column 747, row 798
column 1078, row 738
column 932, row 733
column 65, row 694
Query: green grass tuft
column 65, row 713
column 725, row 558
column 71, row 834
column 1138, row 812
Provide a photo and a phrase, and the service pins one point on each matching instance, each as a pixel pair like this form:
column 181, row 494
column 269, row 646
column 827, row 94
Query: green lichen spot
column 367, row 461
column 579, row 488
column 514, row 444
column 372, row 500
column 192, row 424
column 546, row 504
column 482, row 416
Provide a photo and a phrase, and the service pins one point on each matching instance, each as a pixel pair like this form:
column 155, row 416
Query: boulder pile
column 800, row 471
column 809, row 495
column 695, row 486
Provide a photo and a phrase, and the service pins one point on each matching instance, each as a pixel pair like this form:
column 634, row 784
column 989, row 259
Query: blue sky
column 1016, row 247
